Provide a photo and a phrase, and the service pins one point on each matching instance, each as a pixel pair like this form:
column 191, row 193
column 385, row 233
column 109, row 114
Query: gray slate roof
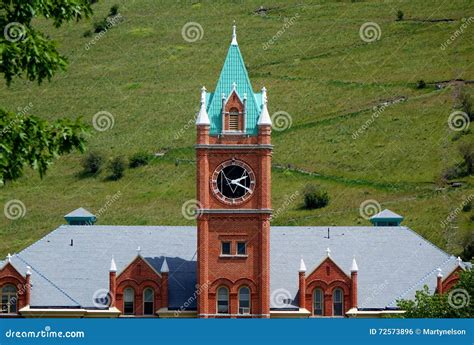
column 386, row 214
column 393, row 262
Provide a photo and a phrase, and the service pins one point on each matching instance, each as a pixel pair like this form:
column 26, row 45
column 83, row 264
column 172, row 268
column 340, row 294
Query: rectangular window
column 241, row 248
column 226, row 250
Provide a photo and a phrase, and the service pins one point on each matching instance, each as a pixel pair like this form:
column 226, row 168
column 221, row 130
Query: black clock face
column 233, row 182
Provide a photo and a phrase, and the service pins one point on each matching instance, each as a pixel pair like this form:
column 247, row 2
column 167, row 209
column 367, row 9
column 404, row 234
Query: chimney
column 28, row 286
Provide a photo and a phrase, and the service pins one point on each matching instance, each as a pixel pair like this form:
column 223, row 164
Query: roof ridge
column 48, row 280
column 425, row 277
column 424, row 239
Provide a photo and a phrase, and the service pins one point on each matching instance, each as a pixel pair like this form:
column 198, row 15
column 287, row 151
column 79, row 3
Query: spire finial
column 354, row 267
column 234, row 86
column 203, row 118
column 9, row 257
column 302, row 265
column 459, row 261
column 164, row 266
column 264, row 118
column 328, row 252
column 113, row 266
column 28, row 270
column 139, row 251
column 234, row 35
column 440, row 275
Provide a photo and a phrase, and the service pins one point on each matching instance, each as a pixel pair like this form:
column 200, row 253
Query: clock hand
column 241, row 185
column 238, row 179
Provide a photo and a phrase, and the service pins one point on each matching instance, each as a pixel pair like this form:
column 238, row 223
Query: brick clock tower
column 233, row 154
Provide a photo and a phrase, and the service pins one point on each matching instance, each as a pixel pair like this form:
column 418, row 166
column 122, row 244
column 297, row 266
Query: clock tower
column 233, row 154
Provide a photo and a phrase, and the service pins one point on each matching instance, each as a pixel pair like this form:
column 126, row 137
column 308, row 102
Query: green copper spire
column 234, row 74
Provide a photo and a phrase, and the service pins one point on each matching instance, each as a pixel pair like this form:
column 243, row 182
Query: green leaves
column 31, row 141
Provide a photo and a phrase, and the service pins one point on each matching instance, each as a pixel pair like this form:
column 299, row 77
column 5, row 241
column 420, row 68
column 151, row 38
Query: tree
column 467, row 152
column 457, row 303
column 27, row 53
column 116, row 168
column 314, row 197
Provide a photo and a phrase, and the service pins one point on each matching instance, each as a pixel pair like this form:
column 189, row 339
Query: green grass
column 319, row 71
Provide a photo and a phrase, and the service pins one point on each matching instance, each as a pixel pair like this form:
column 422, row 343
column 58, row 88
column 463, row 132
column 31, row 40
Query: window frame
column 222, row 248
column 237, row 248
column 341, row 302
column 10, row 296
column 234, row 119
column 152, row 301
column 321, row 291
column 129, row 288
column 227, row 300
column 249, row 300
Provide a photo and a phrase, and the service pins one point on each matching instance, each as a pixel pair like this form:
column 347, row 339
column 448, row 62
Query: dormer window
column 234, row 119
column 233, row 114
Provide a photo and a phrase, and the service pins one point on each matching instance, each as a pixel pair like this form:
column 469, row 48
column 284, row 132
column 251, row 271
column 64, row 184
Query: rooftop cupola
column 386, row 218
column 80, row 216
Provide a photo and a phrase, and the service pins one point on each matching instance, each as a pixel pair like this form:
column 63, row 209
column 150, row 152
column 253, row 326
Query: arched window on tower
column 128, row 301
column 338, row 302
column 9, row 299
column 318, row 302
column 244, row 300
column 223, row 300
column 148, row 301
column 234, row 119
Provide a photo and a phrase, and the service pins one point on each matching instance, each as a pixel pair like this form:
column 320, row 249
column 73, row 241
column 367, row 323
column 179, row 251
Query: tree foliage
column 31, row 141
column 457, row 303
column 28, row 53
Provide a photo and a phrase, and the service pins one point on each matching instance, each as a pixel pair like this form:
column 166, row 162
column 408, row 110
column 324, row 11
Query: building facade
column 233, row 263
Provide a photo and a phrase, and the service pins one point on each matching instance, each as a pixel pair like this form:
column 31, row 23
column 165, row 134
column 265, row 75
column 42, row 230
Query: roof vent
column 386, row 218
column 80, row 216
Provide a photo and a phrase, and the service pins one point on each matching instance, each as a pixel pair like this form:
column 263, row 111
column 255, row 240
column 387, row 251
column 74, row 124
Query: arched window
column 318, row 302
column 222, row 300
column 244, row 300
column 234, row 119
column 148, row 301
column 128, row 301
column 9, row 299
column 338, row 302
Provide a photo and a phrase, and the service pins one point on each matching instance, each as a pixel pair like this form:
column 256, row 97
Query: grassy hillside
column 318, row 70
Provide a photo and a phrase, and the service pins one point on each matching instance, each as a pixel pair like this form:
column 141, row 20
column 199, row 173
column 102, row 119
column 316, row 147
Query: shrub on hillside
column 466, row 105
column 100, row 26
column 314, row 197
column 400, row 15
column 116, row 168
column 139, row 159
column 467, row 153
column 113, row 10
column 420, row 84
column 92, row 163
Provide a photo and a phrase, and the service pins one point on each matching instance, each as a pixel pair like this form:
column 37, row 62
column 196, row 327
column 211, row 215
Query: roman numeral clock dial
column 233, row 182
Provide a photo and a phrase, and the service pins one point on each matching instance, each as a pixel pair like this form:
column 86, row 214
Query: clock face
column 233, row 182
